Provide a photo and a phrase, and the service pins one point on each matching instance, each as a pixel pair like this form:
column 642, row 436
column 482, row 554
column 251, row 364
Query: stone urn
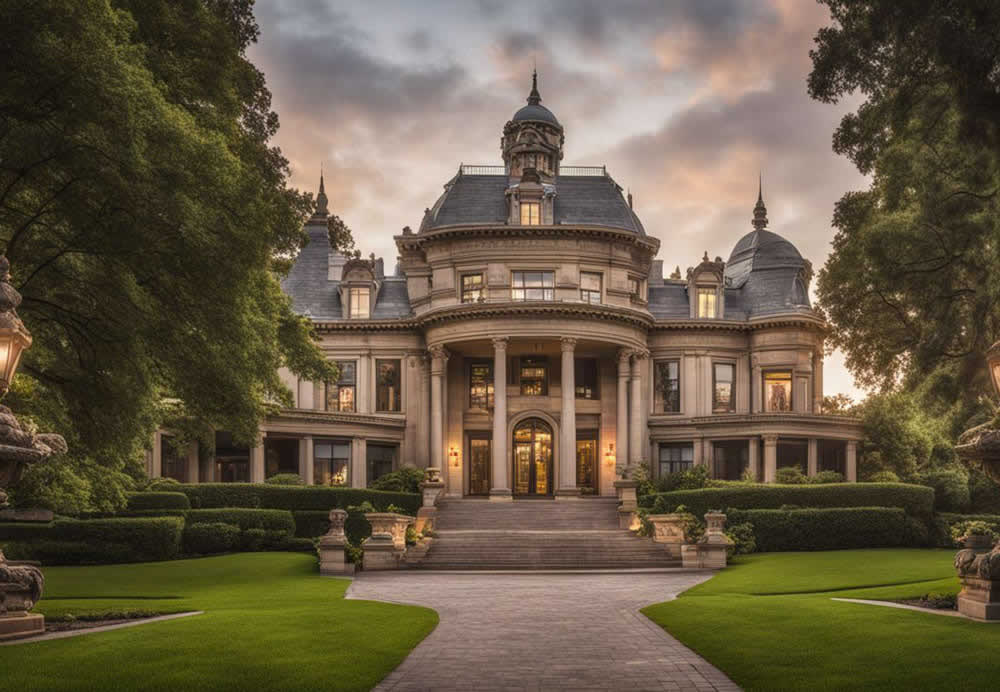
column 21, row 587
column 980, row 544
column 668, row 529
column 386, row 546
column 979, row 573
column 710, row 550
column 331, row 546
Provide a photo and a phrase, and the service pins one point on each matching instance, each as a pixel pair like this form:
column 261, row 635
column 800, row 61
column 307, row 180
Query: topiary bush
column 263, row 496
column 404, row 480
column 951, row 489
column 837, row 528
column 138, row 502
column 790, row 475
column 285, row 479
column 94, row 541
column 246, row 519
column 210, row 538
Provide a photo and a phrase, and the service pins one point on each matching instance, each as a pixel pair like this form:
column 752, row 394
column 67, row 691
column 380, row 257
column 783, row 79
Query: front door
column 586, row 464
column 533, row 458
column 479, row 466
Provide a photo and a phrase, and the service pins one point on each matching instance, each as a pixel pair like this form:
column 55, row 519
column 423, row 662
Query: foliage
column 790, row 475
column 404, row 480
column 142, row 208
column 883, row 477
column 974, row 527
column 915, row 499
column 285, row 479
column 396, row 509
column 72, row 541
column 411, row 535
column 741, row 539
column 157, row 500
column 838, row 405
column 951, row 488
column 205, row 495
column 900, row 436
column 341, row 238
column 642, row 475
column 826, row 477
column 210, row 538
column 688, row 479
column 162, row 484
column 833, row 528
column 354, row 554
column 984, row 494
column 246, row 519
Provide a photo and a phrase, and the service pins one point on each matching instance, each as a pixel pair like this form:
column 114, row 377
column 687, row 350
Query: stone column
column 851, row 462
column 439, row 365
column 812, row 467
column 756, row 385
column 307, row 469
column 622, row 459
column 156, row 456
column 817, row 381
column 192, row 463
column 424, row 413
column 636, row 454
column 770, row 458
column 753, row 457
column 500, row 483
column 257, row 461
column 567, row 422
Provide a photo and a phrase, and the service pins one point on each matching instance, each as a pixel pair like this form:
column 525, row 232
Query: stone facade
column 529, row 343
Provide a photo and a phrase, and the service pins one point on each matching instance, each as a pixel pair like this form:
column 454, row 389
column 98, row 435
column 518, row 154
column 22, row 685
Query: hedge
column 265, row 519
column 210, row 538
column 139, row 502
column 73, row 541
column 263, row 496
column 838, row 528
column 917, row 500
column 313, row 523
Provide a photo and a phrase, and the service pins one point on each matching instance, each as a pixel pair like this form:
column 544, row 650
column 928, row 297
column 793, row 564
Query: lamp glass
column 995, row 372
column 11, row 346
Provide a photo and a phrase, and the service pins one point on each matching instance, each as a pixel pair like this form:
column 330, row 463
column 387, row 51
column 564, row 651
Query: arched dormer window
column 707, row 289
column 531, row 202
column 358, row 289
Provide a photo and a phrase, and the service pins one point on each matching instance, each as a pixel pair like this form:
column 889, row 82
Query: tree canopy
column 143, row 210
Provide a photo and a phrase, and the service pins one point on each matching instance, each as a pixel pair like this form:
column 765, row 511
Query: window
column 481, row 386
column 340, row 395
column 668, row 386
column 778, row 391
column 281, row 455
column 534, row 377
column 472, row 288
column 533, row 286
column 706, row 303
column 360, row 303
column 331, row 461
column 676, row 457
column 381, row 460
column 636, row 287
column 585, row 378
column 590, row 287
column 722, row 390
column 531, row 213
column 387, row 386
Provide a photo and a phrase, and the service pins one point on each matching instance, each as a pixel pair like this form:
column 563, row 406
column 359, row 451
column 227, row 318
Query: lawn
column 270, row 622
column 769, row 623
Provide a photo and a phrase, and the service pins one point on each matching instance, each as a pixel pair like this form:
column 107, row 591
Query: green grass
column 769, row 622
column 270, row 622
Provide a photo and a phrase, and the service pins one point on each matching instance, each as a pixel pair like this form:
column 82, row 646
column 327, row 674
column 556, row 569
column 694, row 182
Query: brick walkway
column 524, row 631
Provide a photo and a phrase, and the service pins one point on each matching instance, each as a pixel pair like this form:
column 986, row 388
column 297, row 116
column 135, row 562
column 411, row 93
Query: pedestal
column 23, row 625
column 380, row 553
column 980, row 599
column 331, row 547
column 668, row 529
column 629, row 503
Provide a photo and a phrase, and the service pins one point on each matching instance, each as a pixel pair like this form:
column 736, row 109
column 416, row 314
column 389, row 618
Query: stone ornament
column 335, row 535
column 21, row 587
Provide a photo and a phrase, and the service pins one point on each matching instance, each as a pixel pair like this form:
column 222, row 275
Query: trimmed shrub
column 263, row 496
column 151, row 513
column 163, row 484
column 837, row 528
column 951, row 489
column 246, row 519
column 297, row 545
column 405, row 480
column 97, row 541
column 790, row 475
column 917, row 500
column 310, row 523
column 210, row 538
column 689, row 479
column 138, row 502
column 826, row 477
column 285, row 479
column 253, row 540
column 883, row 477
column 743, row 541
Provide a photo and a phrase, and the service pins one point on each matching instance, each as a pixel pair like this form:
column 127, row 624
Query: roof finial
column 321, row 200
column 760, row 211
column 534, row 98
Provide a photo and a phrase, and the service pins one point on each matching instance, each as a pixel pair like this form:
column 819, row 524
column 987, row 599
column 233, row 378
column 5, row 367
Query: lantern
column 14, row 337
column 993, row 360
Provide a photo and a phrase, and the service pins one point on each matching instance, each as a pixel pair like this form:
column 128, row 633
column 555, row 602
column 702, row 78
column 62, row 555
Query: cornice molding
column 514, row 309
column 313, row 416
column 459, row 230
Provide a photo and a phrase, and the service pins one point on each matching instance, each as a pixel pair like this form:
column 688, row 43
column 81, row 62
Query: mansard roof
column 594, row 200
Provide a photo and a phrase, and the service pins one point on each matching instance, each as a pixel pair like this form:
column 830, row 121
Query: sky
column 685, row 102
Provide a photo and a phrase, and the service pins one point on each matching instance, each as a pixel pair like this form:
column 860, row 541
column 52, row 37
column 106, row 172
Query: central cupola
column 532, row 140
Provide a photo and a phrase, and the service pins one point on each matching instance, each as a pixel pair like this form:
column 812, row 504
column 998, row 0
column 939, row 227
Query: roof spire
column 534, row 98
column 759, row 211
column 321, row 200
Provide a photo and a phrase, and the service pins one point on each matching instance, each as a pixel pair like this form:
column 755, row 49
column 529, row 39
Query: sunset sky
column 683, row 101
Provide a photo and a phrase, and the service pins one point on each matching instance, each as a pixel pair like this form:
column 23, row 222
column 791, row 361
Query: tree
column 910, row 286
column 898, row 436
column 143, row 210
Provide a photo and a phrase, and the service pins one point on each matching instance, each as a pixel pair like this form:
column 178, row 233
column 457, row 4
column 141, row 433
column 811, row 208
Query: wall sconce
column 609, row 456
column 453, row 455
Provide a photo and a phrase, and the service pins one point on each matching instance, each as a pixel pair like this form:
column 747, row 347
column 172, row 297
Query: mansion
column 528, row 343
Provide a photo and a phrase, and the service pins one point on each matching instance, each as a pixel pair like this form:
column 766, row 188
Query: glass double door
column 533, row 458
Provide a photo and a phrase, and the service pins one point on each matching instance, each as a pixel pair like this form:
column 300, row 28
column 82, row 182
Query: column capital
column 568, row 344
column 439, row 353
column 852, row 444
column 639, row 354
column 770, row 439
column 624, row 355
column 500, row 343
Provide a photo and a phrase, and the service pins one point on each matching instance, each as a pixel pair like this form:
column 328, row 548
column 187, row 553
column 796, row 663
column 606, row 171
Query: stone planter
column 710, row 551
column 980, row 576
column 21, row 585
column 669, row 530
column 387, row 544
column 331, row 547
column 978, row 543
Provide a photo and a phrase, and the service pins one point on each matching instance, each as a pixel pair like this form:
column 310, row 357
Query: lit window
column 722, row 395
column 331, row 460
column 668, row 386
column 360, row 303
column 340, row 395
column 778, row 391
column 706, row 303
column 481, row 386
column 472, row 288
column 387, row 386
column 533, row 286
column 534, row 376
column 531, row 213
column 676, row 457
column 590, row 287
column 585, row 378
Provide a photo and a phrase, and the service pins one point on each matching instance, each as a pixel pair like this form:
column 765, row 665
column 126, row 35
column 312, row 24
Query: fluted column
column 636, row 454
column 439, row 364
column 500, row 483
column 621, row 421
column 770, row 458
column 567, row 450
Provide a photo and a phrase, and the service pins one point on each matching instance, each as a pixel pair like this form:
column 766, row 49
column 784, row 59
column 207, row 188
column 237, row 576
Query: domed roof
column 535, row 110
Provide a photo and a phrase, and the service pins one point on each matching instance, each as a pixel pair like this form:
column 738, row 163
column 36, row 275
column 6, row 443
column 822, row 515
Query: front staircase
column 475, row 534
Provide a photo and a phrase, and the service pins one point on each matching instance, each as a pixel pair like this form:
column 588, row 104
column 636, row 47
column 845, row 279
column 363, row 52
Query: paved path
column 531, row 631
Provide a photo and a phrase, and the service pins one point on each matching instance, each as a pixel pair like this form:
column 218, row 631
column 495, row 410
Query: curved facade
column 528, row 343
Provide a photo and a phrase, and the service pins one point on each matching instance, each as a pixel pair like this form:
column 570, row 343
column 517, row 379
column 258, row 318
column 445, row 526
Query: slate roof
column 766, row 269
column 590, row 200
column 536, row 111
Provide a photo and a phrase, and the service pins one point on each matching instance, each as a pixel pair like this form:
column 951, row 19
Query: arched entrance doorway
column 533, row 457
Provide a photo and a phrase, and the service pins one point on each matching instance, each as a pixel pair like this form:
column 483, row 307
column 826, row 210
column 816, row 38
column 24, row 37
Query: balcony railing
column 594, row 171
column 598, row 171
column 483, row 170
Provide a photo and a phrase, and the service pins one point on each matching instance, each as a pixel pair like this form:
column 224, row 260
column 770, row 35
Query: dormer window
column 707, row 306
column 360, row 303
column 706, row 289
column 531, row 213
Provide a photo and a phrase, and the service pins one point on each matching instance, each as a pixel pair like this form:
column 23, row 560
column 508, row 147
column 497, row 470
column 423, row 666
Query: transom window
column 533, row 286
column 481, row 386
column 472, row 288
column 360, row 303
column 724, row 375
column 676, row 457
column 531, row 213
column 707, row 303
column 668, row 386
column 533, row 376
column 585, row 378
column 388, row 393
column 778, row 391
column 340, row 395
column 590, row 287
